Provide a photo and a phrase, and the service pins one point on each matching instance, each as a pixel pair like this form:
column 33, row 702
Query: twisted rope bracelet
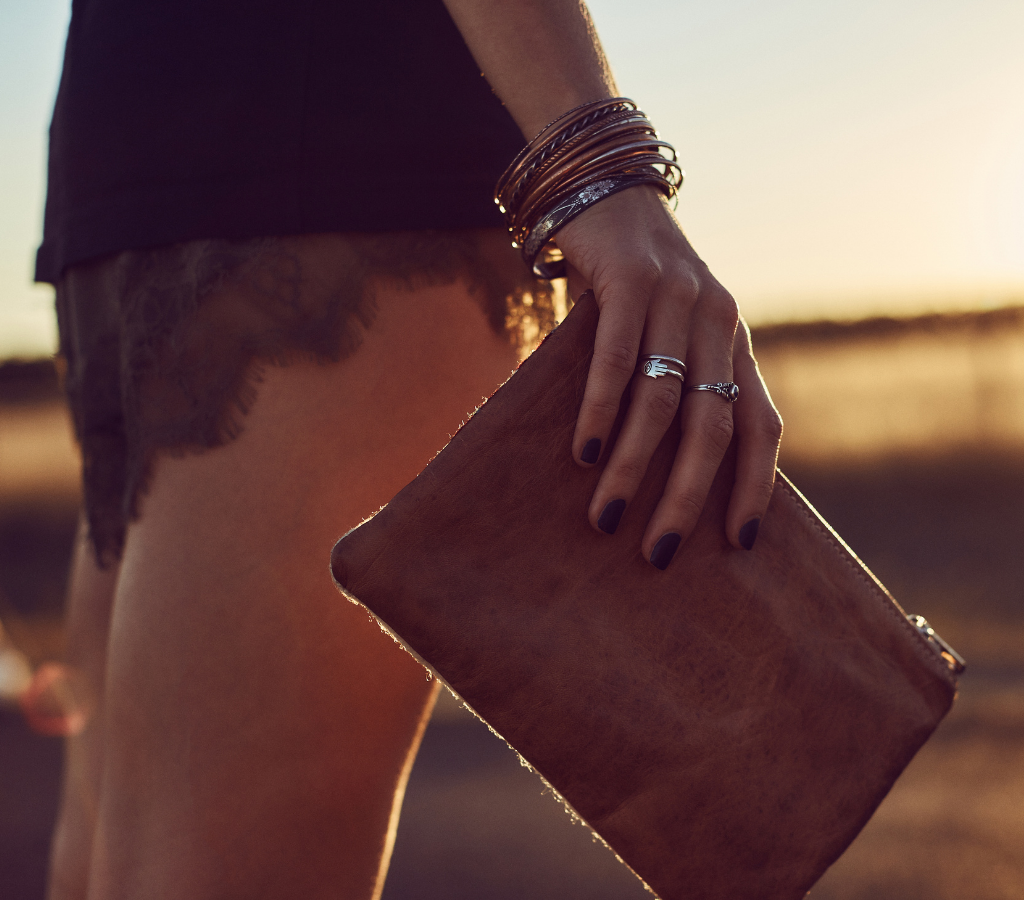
column 584, row 156
column 540, row 148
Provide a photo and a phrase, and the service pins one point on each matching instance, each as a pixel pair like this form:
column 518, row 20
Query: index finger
column 623, row 310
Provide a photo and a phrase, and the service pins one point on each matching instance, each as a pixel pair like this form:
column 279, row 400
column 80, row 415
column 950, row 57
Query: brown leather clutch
column 726, row 726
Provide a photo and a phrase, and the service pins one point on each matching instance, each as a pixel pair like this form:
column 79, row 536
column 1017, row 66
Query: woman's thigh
column 259, row 726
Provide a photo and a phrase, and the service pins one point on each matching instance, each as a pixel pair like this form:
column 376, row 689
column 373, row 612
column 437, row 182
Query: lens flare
column 57, row 701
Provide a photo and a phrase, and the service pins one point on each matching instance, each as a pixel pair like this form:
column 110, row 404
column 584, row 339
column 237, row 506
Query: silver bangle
column 568, row 210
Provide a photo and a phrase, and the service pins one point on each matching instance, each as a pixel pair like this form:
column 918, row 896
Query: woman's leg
column 90, row 598
column 260, row 728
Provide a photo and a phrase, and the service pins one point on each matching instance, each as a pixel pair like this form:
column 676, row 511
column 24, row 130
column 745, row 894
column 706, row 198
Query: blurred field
column 907, row 435
column 880, row 388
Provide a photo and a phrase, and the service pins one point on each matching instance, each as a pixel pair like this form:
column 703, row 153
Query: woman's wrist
column 586, row 155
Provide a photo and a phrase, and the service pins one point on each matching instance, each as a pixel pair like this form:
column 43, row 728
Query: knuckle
column 770, row 425
column 764, row 488
column 742, row 349
column 637, row 273
column 662, row 403
column 603, row 407
column 645, row 273
column 681, row 275
column 631, row 469
column 687, row 507
column 620, row 359
column 724, row 311
column 718, row 428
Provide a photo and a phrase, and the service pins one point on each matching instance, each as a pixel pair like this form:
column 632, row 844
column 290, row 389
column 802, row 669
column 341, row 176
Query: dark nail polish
column 610, row 516
column 748, row 534
column 591, row 451
column 665, row 549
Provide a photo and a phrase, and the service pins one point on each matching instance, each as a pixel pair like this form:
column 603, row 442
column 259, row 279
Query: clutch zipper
column 952, row 659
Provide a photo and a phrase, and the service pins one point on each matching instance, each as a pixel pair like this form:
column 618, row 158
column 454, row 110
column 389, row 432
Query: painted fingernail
column 591, row 451
column 664, row 550
column 610, row 516
column 748, row 534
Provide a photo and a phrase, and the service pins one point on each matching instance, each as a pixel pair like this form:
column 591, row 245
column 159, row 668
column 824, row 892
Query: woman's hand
column 656, row 296
column 542, row 57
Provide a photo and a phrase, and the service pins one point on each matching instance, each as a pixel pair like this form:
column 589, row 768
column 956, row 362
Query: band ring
column 654, row 365
column 727, row 389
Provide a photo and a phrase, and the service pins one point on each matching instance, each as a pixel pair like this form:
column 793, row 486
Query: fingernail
column 748, row 534
column 664, row 550
column 591, row 451
column 610, row 516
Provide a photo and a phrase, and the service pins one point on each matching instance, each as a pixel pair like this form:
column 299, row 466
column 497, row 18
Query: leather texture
column 727, row 726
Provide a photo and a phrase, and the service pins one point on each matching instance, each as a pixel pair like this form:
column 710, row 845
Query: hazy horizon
column 843, row 159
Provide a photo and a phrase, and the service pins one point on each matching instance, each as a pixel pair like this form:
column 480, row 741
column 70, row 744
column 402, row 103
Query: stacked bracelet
column 584, row 156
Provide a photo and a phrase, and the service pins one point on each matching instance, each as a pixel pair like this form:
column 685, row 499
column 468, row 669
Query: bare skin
column 654, row 293
column 90, row 602
column 258, row 728
column 257, row 731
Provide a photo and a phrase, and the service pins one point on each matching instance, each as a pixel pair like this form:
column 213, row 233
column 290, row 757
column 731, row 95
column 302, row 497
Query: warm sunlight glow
column 844, row 159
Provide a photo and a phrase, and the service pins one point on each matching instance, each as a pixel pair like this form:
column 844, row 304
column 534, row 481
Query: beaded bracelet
column 582, row 157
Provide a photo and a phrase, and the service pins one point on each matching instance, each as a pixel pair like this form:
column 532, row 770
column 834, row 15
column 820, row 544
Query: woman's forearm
column 541, row 57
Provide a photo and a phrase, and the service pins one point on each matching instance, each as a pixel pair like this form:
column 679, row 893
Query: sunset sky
column 843, row 158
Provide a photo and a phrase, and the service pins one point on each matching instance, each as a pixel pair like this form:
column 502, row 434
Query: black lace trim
column 164, row 347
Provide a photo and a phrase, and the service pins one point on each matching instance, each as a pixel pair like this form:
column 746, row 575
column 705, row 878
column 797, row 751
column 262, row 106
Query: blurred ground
column 909, row 438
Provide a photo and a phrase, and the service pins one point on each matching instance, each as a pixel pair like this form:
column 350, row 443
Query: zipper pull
column 952, row 659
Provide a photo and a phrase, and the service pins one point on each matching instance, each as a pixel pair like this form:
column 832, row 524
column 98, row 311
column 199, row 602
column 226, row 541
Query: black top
column 185, row 119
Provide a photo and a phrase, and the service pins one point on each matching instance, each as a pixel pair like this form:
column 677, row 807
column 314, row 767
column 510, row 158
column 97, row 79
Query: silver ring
column 726, row 389
column 656, row 365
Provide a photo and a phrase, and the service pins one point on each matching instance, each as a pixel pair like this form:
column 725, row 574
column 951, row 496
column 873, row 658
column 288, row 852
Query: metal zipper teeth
column 952, row 659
